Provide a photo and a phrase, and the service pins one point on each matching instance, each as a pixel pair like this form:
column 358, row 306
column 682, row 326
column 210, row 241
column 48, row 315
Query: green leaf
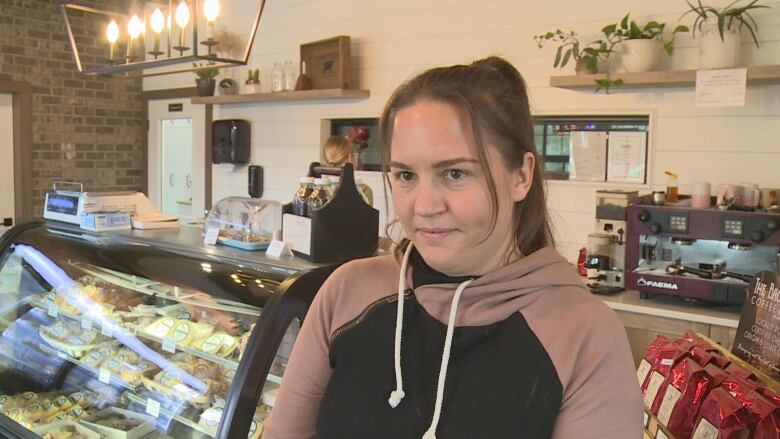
column 592, row 63
column 549, row 35
column 566, row 57
column 624, row 21
column 681, row 28
column 669, row 47
column 720, row 28
column 609, row 29
column 558, row 54
column 617, row 82
column 752, row 33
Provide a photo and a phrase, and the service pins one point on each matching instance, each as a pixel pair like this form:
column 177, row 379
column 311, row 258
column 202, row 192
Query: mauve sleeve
column 294, row 415
column 602, row 398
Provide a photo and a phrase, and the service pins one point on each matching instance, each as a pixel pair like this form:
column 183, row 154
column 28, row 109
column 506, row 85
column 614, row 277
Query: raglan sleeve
column 602, row 399
column 295, row 412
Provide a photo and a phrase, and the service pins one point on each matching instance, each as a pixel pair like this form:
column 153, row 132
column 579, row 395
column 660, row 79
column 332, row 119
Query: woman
column 477, row 328
column 337, row 151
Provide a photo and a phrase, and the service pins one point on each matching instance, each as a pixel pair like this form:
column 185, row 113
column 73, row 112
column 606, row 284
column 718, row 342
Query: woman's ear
column 523, row 178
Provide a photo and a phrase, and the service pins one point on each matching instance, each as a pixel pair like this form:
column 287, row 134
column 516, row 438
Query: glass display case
column 111, row 335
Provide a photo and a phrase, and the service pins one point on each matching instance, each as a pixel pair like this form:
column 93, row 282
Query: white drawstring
column 445, row 360
column 398, row 394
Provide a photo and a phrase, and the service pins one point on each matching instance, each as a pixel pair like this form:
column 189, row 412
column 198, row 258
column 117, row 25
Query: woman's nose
column 429, row 199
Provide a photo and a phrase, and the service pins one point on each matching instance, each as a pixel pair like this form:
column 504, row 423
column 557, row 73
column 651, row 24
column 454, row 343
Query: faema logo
column 642, row 282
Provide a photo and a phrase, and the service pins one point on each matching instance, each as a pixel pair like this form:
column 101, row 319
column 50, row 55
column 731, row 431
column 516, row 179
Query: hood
column 496, row 295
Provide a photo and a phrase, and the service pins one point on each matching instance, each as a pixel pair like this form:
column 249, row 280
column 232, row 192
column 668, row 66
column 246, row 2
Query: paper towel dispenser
column 230, row 141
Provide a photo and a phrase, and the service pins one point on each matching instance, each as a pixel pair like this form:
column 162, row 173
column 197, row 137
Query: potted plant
column 586, row 56
column 720, row 32
column 205, row 79
column 639, row 47
column 253, row 81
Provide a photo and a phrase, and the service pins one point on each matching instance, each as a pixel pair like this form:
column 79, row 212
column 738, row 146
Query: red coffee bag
column 688, row 385
column 721, row 417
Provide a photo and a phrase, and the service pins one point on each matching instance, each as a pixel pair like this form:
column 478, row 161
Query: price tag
column 152, row 407
column 105, row 329
column 169, row 345
column 211, row 236
column 53, row 310
column 86, row 323
column 276, row 249
column 105, row 376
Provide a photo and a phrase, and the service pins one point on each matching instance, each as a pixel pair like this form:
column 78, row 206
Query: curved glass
column 94, row 342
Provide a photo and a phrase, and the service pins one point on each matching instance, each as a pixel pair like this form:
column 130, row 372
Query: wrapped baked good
column 98, row 356
column 25, row 399
column 6, row 402
column 32, row 413
column 63, row 403
column 161, row 327
column 687, row 386
column 210, row 419
column 721, row 417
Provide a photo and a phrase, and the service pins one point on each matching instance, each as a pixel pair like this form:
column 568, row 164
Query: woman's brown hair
column 493, row 95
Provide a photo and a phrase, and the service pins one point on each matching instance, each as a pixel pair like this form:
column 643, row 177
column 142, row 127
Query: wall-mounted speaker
column 230, row 141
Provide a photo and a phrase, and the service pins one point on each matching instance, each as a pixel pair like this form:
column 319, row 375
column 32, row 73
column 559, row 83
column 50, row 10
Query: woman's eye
column 454, row 174
column 404, row 176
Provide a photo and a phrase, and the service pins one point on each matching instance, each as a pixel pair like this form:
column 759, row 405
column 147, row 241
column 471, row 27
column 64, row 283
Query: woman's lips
column 434, row 234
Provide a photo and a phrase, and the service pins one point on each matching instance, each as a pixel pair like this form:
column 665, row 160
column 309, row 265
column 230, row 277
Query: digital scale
column 92, row 210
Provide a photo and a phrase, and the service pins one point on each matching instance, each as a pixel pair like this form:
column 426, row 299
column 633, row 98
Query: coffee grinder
column 606, row 247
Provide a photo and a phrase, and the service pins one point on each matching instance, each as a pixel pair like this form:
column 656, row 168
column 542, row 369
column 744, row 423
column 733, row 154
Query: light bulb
column 211, row 10
column 112, row 32
column 134, row 27
column 158, row 21
column 182, row 15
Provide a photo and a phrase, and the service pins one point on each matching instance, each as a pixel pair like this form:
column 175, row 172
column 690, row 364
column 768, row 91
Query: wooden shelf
column 672, row 78
column 282, row 96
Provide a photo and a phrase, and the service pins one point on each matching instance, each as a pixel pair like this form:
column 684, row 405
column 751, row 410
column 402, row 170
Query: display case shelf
column 672, row 78
column 283, row 96
column 165, row 412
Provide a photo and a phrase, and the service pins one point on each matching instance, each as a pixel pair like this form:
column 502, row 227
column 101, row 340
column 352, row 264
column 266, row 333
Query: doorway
column 176, row 164
column 7, row 203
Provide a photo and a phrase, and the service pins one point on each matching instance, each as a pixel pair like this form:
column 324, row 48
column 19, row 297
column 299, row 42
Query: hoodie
column 389, row 350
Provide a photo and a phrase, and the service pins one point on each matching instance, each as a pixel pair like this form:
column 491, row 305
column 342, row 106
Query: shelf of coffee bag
column 283, row 96
column 167, row 413
column 670, row 78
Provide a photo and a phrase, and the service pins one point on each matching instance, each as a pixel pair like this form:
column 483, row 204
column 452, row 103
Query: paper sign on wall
column 626, row 157
column 296, row 231
column 721, row 88
column 587, row 155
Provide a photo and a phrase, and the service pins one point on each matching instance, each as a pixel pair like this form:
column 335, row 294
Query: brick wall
column 85, row 128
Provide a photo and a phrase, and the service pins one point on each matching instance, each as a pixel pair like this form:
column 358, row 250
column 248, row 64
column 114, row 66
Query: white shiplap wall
column 394, row 40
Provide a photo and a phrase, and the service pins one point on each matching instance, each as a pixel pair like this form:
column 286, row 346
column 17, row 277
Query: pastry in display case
column 108, row 335
column 245, row 223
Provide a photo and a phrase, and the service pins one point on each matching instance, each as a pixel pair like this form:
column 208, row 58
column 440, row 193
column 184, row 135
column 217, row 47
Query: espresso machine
column 702, row 253
column 605, row 262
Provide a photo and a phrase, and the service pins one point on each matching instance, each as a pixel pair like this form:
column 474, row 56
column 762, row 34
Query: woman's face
column 441, row 195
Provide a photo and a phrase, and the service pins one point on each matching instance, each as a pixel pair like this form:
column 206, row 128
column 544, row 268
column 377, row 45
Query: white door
column 7, row 162
column 177, row 157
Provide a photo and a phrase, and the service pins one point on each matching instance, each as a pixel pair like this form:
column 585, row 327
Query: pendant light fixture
column 157, row 37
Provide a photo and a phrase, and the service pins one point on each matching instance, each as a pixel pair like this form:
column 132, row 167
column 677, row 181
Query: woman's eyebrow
column 438, row 165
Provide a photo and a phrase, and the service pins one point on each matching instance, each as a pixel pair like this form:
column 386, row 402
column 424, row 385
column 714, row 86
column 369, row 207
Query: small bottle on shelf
column 300, row 201
column 290, row 75
column 277, row 77
column 671, row 187
column 319, row 197
column 304, row 82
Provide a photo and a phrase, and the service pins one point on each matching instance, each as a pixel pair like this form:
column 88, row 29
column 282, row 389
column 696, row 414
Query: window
column 553, row 137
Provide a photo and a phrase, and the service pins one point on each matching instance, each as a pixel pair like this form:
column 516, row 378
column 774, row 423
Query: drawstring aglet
column 395, row 398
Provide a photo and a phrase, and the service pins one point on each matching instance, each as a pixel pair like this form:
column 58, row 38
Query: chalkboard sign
column 758, row 335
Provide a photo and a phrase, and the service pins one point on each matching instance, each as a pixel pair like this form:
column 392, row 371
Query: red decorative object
column 359, row 136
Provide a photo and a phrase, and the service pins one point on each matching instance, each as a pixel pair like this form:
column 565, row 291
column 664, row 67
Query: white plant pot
column 717, row 53
column 638, row 55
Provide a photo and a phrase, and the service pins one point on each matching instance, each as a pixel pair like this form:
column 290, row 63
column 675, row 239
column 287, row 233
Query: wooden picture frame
column 328, row 62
